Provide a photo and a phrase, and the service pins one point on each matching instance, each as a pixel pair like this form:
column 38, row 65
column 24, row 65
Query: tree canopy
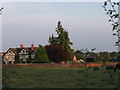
column 57, row 53
column 62, row 38
column 41, row 55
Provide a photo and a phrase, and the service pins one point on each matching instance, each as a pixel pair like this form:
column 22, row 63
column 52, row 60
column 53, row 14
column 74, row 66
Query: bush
column 29, row 60
column 57, row 53
column 41, row 55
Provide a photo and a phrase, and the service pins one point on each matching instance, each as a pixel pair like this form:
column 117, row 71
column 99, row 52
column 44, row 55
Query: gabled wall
column 9, row 57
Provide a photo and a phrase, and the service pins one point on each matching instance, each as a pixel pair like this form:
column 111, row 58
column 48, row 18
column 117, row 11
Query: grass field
column 59, row 78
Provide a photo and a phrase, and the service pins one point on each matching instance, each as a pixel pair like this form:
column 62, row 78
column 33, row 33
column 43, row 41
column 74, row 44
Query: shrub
column 41, row 55
column 57, row 53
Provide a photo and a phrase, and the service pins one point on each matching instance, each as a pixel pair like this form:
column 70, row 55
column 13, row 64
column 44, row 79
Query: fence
column 55, row 65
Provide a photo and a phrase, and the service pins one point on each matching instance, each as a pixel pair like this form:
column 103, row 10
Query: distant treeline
column 99, row 56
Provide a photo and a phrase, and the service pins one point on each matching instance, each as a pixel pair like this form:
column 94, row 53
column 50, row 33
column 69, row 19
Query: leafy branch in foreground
column 113, row 17
column 1, row 10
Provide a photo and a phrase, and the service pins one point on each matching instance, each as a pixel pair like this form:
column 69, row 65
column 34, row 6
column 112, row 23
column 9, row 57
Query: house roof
column 18, row 50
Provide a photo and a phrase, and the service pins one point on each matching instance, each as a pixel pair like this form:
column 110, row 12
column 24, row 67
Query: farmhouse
column 22, row 53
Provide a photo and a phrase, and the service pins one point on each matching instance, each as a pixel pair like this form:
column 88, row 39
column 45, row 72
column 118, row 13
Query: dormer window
column 10, row 51
column 23, row 52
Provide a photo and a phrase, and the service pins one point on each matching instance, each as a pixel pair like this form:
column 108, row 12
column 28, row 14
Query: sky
column 33, row 22
column 56, row 0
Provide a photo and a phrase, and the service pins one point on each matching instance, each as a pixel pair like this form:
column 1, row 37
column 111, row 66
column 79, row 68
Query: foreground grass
column 58, row 78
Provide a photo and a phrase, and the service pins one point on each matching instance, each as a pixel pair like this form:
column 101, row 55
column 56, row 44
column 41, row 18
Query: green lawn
column 57, row 78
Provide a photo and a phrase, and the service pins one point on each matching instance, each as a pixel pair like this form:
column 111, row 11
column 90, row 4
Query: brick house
column 22, row 53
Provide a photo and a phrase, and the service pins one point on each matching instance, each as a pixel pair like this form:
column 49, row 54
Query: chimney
column 21, row 45
column 32, row 47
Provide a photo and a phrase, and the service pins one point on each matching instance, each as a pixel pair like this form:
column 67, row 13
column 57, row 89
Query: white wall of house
column 23, row 57
column 9, row 57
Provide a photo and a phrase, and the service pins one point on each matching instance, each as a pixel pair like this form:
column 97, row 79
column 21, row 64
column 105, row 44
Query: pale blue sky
column 27, row 23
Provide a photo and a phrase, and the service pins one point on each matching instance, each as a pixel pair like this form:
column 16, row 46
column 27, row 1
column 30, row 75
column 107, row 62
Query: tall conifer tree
column 62, row 38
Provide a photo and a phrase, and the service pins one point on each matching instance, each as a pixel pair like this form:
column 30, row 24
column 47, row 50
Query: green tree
column 67, row 42
column 61, row 34
column 62, row 38
column 79, row 54
column 103, row 57
column 41, row 55
column 113, row 56
column 53, row 40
